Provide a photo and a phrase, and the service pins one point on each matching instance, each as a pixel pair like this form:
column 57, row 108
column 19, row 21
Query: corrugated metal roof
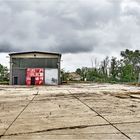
column 18, row 53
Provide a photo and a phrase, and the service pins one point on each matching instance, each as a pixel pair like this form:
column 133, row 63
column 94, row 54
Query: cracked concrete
column 76, row 111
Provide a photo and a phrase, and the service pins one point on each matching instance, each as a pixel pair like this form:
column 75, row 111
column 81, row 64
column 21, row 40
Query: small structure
column 35, row 68
column 73, row 76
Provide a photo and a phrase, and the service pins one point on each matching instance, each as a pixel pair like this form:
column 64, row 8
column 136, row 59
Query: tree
column 104, row 68
column 127, row 74
column 114, row 68
column 131, row 64
column 125, row 70
column 64, row 76
column 3, row 73
column 78, row 71
column 93, row 74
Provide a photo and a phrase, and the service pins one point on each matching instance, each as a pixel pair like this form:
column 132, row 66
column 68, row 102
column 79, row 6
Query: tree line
column 126, row 69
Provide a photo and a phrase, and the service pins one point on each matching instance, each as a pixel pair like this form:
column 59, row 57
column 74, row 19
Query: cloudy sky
column 82, row 30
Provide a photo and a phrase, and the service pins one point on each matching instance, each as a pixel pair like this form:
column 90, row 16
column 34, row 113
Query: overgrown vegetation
column 4, row 75
column 126, row 69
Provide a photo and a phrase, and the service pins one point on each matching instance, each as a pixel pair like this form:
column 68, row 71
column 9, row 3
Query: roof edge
column 52, row 53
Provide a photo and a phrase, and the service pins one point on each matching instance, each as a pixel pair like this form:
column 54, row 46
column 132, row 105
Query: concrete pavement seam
column 100, row 116
column 19, row 114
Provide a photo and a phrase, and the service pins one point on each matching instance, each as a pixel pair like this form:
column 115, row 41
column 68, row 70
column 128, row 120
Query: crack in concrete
column 55, row 129
column 100, row 116
column 18, row 115
column 126, row 122
column 68, row 128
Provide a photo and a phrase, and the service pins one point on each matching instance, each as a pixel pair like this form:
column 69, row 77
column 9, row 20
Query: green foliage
column 83, row 73
column 4, row 76
column 130, row 65
column 131, row 57
column 127, row 74
column 114, row 69
column 79, row 71
column 125, row 70
column 91, row 75
column 64, row 75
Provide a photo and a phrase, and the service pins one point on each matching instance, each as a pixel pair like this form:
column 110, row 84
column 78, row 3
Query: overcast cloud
column 69, row 26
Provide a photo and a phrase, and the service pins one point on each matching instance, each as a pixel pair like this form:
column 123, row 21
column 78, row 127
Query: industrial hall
column 35, row 68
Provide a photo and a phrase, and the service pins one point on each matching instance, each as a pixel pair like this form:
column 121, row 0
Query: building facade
column 35, row 68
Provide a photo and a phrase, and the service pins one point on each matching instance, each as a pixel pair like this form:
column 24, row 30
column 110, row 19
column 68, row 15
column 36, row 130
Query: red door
column 36, row 74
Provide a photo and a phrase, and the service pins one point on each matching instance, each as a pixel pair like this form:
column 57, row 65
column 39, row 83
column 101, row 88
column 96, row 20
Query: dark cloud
column 7, row 47
column 69, row 26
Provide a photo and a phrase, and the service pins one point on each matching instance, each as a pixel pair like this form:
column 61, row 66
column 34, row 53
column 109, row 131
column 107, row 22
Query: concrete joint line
column 100, row 115
column 19, row 115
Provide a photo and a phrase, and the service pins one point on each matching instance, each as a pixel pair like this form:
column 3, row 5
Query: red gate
column 37, row 74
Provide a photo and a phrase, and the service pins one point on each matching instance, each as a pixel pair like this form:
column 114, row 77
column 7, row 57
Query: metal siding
column 51, row 76
column 21, row 74
column 35, row 63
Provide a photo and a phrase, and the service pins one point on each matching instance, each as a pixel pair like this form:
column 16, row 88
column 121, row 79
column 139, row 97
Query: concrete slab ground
column 75, row 111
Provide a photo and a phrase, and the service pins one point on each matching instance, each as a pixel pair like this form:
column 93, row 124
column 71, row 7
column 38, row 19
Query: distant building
column 35, row 68
column 73, row 76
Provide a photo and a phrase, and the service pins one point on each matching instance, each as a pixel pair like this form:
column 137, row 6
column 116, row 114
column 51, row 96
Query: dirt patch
column 123, row 95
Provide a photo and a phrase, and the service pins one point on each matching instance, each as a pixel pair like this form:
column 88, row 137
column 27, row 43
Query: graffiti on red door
column 34, row 76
